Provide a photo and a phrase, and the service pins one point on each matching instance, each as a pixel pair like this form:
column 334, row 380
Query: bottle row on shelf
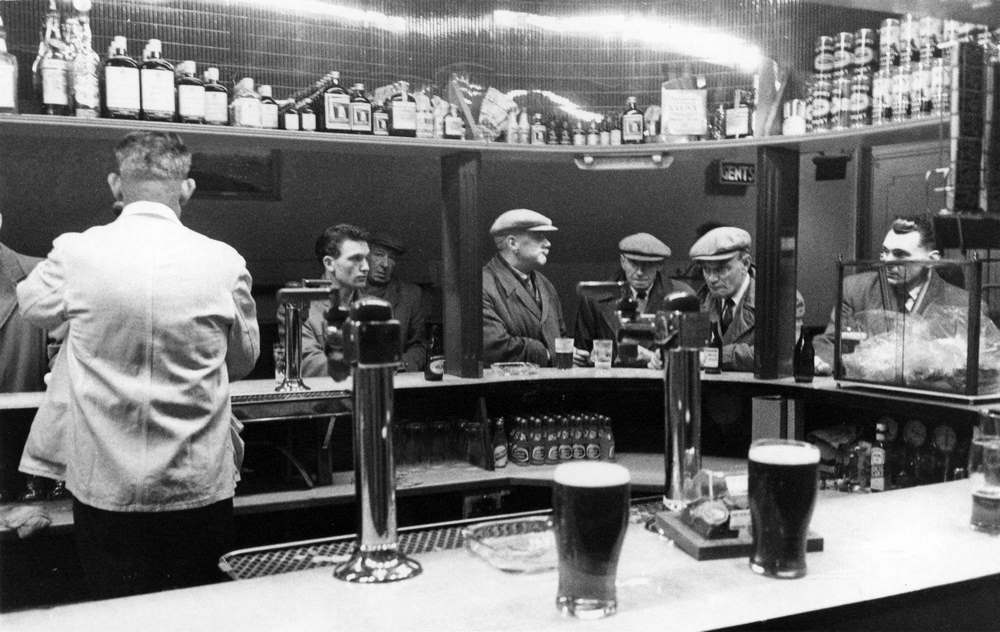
column 555, row 438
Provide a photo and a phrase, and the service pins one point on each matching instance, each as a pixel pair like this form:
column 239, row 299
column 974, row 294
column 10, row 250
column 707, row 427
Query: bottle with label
column 523, row 128
column 605, row 131
column 216, row 99
column 633, row 123
column 606, row 438
column 879, row 476
column 335, row 115
column 615, row 124
column 307, row 116
column 738, row 117
column 289, row 118
column 8, row 76
column 454, row 126
column 717, row 122
column 157, row 81
column 51, row 69
column 577, row 438
column 591, row 439
column 565, row 439
column 268, row 108
column 434, row 370
column 499, row 443
column 425, row 114
column 380, row 119
column 360, row 110
column 593, row 136
column 711, row 355
column 551, row 440
column 121, row 82
column 190, row 94
column 518, row 451
column 536, row 440
column 85, row 69
column 244, row 111
column 805, row 356
column 553, row 136
column 538, row 132
column 403, row 112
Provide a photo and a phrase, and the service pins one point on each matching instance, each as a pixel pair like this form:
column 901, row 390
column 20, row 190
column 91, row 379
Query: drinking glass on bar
column 564, row 353
column 590, row 502
column 279, row 363
column 601, row 355
column 783, row 477
column 984, row 474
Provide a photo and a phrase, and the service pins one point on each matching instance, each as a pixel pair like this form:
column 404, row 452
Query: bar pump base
column 291, row 386
column 377, row 567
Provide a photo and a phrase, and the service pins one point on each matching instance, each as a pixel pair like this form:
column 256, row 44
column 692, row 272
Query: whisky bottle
column 538, row 130
column 307, row 117
column 190, row 94
column 739, row 118
column 579, row 137
column 454, row 126
column 156, row 78
column 565, row 133
column 552, row 138
column 616, row 130
column 605, row 132
column 8, row 76
column 290, row 118
column 425, row 114
column 121, row 82
column 633, row 123
column 336, row 107
column 523, row 128
column 711, row 354
column 380, row 119
column 878, row 460
column 244, row 111
column 50, row 70
column 403, row 112
column 593, row 136
column 360, row 109
column 86, row 66
column 268, row 108
column 216, row 99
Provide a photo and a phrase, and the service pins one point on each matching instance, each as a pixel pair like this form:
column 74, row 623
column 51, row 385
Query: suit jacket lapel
column 742, row 322
column 512, row 286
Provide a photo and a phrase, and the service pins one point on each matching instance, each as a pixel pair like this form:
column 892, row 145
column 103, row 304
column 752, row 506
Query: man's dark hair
column 153, row 156
column 904, row 224
column 329, row 242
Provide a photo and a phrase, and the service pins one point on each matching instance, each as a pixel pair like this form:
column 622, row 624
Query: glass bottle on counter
column 711, row 355
column 122, row 97
column 434, row 369
column 615, row 123
column 605, row 131
column 538, row 132
column 518, row 450
column 593, row 136
column 380, row 120
column 499, row 443
column 403, row 112
column 879, row 475
column 552, row 138
column 578, row 135
column 335, row 110
column 805, row 356
column 85, row 68
column 8, row 76
column 216, row 98
column 244, row 111
column 51, row 70
column 523, row 128
column 739, row 118
column 190, row 94
column 157, row 84
column 289, row 117
column 268, row 108
column 633, row 123
column 565, row 133
column 454, row 126
column 307, row 116
column 360, row 110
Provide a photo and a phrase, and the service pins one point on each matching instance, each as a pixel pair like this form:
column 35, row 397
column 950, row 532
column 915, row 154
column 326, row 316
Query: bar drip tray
column 290, row 405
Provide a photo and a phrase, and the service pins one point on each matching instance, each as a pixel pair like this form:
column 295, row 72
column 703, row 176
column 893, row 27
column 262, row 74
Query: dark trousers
column 130, row 553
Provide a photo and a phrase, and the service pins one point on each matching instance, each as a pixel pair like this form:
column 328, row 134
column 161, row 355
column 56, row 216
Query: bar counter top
column 876, row 546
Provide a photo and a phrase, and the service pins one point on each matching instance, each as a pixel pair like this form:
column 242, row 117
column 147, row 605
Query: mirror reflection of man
column 640, row 257
column 522, row 315
column 406, row 298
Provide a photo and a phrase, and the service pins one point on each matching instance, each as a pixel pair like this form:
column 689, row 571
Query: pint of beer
column 564, row 353
column 782, row 486
column 984, row 474
column 590, row 503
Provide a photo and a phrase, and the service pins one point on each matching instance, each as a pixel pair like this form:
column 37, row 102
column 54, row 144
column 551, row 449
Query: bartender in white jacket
column 160, row 320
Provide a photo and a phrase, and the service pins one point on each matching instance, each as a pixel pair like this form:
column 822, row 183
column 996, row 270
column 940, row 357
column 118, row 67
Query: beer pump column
column 295, row 301
column 370, row 344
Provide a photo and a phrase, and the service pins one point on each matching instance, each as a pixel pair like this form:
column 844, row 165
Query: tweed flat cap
column 387, row 241
column 521, row 219
column 643, row 247
column 720, row 243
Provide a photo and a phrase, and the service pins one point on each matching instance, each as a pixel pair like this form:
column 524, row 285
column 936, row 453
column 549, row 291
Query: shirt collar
column 740, row 293
column 150, row 208
column 521, row 276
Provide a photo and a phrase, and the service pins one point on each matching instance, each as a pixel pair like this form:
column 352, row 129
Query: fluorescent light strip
column 374, row 19
column 562, row 103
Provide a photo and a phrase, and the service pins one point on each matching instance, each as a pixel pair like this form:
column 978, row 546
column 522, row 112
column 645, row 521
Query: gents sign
column 740, row 173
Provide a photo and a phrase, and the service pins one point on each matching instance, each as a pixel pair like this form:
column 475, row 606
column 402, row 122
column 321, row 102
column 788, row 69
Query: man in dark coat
column 406, row 298
column 522, row 315
column 641, row 258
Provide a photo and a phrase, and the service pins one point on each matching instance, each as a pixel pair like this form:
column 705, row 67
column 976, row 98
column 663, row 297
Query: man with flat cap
column 406, row 298
column 729, row 294
column 641, row 258
column 522, row 315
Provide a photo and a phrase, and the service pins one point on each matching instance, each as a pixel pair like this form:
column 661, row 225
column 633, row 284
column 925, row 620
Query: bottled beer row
column 557, row 438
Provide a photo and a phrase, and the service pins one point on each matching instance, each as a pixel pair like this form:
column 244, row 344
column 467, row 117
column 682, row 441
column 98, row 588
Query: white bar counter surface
column 876, row 545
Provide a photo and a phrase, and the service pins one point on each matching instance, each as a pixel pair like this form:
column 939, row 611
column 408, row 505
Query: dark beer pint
column 782, row 486
column 590, row 502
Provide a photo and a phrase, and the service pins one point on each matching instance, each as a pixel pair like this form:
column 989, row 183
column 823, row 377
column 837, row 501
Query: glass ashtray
column 515, row 368
column 522, row 545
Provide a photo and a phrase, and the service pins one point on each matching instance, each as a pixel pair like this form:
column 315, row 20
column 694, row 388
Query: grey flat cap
column 521, row 219
column 720, row 243
column 643, row 247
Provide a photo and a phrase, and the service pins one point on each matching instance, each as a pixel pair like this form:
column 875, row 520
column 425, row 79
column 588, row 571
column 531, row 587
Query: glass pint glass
column 782, row 488
column 590, row 502
column 984, row 474
column 601, row 354
column 564, row 353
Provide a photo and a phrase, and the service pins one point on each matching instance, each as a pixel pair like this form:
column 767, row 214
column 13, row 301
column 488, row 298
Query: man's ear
column 115, row 184
column 328, row 263
column 934, row 254
column 187, row 190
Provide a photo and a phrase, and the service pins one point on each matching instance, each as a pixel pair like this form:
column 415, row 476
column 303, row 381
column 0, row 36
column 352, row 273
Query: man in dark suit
column 406, row 298
column 522, row 315
column 641, row 258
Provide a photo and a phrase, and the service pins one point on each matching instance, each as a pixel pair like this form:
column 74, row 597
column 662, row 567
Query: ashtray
column 522, row 545
column 515, row 368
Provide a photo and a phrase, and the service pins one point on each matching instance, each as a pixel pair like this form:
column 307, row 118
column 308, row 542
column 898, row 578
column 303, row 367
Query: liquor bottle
column 335, row 110
column 244, row 111
column 877, row 454
column 268, row 108
column 616, row 130
column 50, row 70
column 122, row 97
column 538, row 130
column 536, row 441
column 523, row 128
column 434, row 370
column 499, row 443
column 85, row 68
column 518, row 451
column 190, row 94
column 577, row 438
column 739, row 118
column 360, row 109
column 565, row 439
column 553, row 135
column 425, row 114
column 289, row 118
column 307, row 117
column 403, row 112
column 511, row 136
column 380, row 119
column 633, row 123
column 454, row 126
column 805, row 356
column 216, row 99
column 579, row 136
column 157, row 81
column 593, row 136
column 565, row 133
column 8, row 76
column 551, row 439
column 606, row 438
column 711, row 355
column 591, row 440
column 605, row 132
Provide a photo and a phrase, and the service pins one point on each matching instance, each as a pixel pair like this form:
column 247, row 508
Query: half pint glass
column 984, row 474
column 590, row 503
column 782, row 486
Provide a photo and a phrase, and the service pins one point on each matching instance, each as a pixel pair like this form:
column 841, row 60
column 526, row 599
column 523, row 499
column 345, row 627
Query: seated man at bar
column 406, row 298
column 343, row 252
column 729, row 293
column 640, row 257
column 522, row 315
column 161, row 318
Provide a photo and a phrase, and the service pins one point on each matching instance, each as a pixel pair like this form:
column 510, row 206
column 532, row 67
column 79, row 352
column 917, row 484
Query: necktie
column 727, row 315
